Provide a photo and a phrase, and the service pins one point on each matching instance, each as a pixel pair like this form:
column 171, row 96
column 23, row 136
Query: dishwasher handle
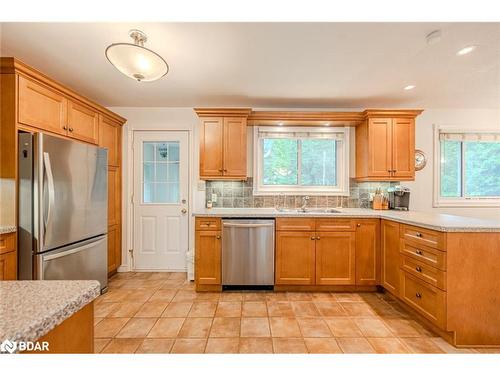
column 247, row 225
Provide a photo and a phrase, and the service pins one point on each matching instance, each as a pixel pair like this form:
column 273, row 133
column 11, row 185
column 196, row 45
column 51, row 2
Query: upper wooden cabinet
column 223, row 143
column 41, row 106
column 110, row 137
column 83, row 122
column 385, row 146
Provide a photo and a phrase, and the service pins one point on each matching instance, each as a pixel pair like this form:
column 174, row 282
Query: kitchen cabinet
column 223, row 143
column 295, row 258
column 44, row 105
column 335, row 258
column 41, row 106
column 8, row 256
column 110, row 137
column 385, row 146
column 390, row 256
column 83, row 122
column 208, row 251
column 368, row 252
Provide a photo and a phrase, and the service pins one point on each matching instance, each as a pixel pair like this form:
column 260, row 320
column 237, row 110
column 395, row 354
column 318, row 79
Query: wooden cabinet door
column 110, row 137
column 208, row 257
column 403, row 148
column 8, row 266
column 380, row 147
column 114, row 248
column 114, row 196
column 335, row 258
column 390, row 256
column 368, row 252
column 41, row 107
column 295, row 258
column 235, row 147
column 211, row 135
column 83, row 122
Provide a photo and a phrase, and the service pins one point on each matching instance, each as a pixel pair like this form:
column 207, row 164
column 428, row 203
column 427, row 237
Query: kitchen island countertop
column 439, row 222
column 31, row 308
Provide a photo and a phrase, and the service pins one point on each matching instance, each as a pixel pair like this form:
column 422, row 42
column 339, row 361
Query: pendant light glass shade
column 135, row 60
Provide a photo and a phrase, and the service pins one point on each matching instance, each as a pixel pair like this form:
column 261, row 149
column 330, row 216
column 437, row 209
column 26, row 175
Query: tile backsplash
column 238, row 194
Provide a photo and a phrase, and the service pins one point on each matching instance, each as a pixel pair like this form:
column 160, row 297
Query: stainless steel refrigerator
column 63, row 203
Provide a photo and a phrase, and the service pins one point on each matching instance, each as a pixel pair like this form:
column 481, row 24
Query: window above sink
column 301, row 160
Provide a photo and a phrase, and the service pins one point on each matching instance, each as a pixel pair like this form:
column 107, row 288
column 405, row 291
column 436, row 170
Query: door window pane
column 451, row 169
column 161, row 172
column 318, row 162
column 280, row 161
column 482, row 169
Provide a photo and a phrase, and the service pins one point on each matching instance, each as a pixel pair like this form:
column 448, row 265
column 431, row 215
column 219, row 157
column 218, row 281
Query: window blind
column 300, row 134
column 469, row 137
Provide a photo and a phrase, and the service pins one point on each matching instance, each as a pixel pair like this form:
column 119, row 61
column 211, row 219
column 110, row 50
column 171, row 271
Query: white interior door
column 160, row 200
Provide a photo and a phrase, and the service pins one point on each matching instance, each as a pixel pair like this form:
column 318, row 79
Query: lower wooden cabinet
column 335, row 258
column 368, row 252
column 8, row 266
column 114, row 248
column 390, row 256
column 208, row 250
column 295, row 258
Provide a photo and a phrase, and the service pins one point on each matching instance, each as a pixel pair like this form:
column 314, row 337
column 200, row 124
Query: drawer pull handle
column 419, row 252
column 418, row 234
column 418, row 269
column 418, row 295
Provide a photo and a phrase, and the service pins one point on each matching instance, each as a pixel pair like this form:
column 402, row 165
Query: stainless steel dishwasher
column 247, row 253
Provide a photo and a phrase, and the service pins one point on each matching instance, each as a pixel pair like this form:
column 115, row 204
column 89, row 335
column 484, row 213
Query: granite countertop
column 7, row 229
column 439, row 222
column 31, row 308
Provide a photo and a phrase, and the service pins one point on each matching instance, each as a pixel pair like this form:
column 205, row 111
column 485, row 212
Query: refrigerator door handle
column 50, row 189
column 72, row 251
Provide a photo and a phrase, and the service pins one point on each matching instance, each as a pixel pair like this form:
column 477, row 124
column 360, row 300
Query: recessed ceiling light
column 433, row 37
column 410, row 87
column 466, row 50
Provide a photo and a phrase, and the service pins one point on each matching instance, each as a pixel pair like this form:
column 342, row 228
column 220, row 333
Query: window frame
column 438, row 200
column 342, row 167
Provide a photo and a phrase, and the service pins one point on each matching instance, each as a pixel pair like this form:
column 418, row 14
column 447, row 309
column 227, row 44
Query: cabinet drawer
column 424, row 272
column 424, row 254
column 423, row 236
column 329, row 225
column 424, row 298
column 207, row 223
column 295, row 224
column 7, row 242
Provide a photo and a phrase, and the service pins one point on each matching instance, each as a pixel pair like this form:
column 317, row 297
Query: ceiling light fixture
column 135, row 60
column 433, row 37
column 409, row 87
column 466, row 50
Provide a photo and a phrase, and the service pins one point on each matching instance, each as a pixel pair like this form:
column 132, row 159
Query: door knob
column 184, row 211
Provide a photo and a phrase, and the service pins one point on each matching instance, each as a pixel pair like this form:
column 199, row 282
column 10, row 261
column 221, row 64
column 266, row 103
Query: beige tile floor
column 161, row 313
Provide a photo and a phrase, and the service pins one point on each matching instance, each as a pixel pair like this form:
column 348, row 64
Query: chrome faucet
column 304, row 203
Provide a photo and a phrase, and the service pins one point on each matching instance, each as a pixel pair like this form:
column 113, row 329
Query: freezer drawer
column 86, row 260
column 248, row 252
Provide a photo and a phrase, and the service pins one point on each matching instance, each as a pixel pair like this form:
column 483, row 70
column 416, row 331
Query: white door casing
column 160, row 200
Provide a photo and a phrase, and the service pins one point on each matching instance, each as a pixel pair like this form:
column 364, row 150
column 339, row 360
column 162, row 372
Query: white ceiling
column 348, row 65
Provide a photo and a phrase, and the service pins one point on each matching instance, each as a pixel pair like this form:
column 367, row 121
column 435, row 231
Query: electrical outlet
column 214, row 198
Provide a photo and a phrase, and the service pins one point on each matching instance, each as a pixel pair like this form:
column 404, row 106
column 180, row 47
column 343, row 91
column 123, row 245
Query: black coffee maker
column 399, row 198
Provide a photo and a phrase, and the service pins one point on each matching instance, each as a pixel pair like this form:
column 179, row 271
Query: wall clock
column 420, row 160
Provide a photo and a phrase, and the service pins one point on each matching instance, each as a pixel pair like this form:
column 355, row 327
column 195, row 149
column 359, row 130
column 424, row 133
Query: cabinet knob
column 318, row 238
column 418, row 295
column 418, row 234
column 358, row 225
column 70, row 129
column 65, row 128
column 221, row 170
column 418, row 251
column 418, row 269
column 218, row 236
column 313, row 238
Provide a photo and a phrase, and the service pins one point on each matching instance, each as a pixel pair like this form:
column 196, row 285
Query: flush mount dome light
column 135, row 60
